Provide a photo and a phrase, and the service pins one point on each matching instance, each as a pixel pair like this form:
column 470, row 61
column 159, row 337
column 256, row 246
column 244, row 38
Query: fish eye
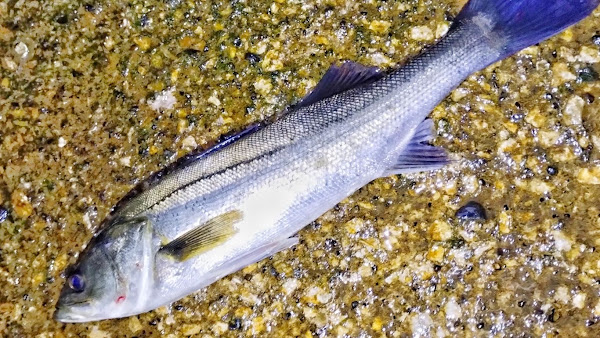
column 76, row 282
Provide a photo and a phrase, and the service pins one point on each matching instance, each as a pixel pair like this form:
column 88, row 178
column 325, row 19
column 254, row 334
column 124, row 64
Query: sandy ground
column 96, row 96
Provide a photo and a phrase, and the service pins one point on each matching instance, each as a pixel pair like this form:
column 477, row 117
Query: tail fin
column 518, row 24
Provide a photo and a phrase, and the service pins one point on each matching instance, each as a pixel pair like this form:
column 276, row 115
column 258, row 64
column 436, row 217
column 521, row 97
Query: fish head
column 108, row 279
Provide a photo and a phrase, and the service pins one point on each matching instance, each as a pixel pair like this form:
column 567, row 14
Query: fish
column 216, row 211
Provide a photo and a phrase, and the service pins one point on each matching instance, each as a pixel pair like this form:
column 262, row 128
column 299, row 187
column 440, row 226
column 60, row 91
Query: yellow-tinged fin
column 203, row 238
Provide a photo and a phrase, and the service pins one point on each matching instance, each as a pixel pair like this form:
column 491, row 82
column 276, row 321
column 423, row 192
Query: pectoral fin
column 206, row 236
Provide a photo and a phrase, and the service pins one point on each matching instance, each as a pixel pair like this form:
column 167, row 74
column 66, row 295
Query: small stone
column 471, row 211
column 436, row 253
column 441, row 30
column 21, row 205
column 551, row 170
column 321, row 40
column 290, row 286
column 504, row 223
column 126, row 161
column 440, row 231
column 421, row 33
column 377, row 324
column 22, row 50
column 596, row 310
column 323, row 297
column 252, row 58
column 263, row 86
column 562, row 294
column 189, row 142
column 214, row 100
column 235, row 324
column 143, row 42
column 540, row 187
column 452, row 310
column 164, row 100
column 589, row 55
column 97, row 333
column 579, row 300
column 61, row 142
column 587, row 74
column 379, row 59
column 561, row 74
column 134, row 324
column 191, row 329
column 380, row 27
column 459, row 93
column 548, row 138
column 561, row 242
column 421, row 325
column 258, row 325
column 573, row 111
column 589, row 176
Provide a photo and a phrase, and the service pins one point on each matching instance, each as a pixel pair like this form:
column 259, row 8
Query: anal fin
column 203, row 238
column 418, row 155
column 263, row 252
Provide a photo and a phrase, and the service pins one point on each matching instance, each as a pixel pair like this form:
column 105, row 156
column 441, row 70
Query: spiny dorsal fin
column 206, row 236
column 339, row 79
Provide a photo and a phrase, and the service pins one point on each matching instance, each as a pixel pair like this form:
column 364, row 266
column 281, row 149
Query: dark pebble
column 62, row 19
column 3, row 214
column 552, row 171
column 235, row 324
column 471, row 211
column 237, row 42
column 253, row 58
column 587, row 74
column 596, row 39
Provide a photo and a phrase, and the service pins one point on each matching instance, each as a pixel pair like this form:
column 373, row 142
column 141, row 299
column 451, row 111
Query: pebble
column 134, row 324
column 589, row 55
column 561, row 241
column 471, row 211
column 573, row 110
column 164, row 100
column 21, row 204
column 380, row 27
column 561, row 74
column 452, row 310
column 421, row 33
column 22, row 50
column 263, row 86
column 61, row 142
column 579, row 300
column 440, row 231
column 189, row 142
column 589, row 175
column 421, row 324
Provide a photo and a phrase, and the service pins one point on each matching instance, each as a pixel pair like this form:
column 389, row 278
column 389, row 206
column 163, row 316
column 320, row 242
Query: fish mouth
column 65, row 316
column 71, row 313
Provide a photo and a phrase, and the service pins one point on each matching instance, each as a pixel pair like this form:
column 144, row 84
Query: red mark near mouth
column 120, row 299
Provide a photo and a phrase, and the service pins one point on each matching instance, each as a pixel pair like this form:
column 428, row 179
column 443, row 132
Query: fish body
column 243, row 201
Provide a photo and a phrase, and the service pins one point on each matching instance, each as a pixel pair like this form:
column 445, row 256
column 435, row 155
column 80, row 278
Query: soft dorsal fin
column 206, row 236
column 338, row 79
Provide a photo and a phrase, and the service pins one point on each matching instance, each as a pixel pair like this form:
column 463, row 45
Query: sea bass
column 217, row 211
